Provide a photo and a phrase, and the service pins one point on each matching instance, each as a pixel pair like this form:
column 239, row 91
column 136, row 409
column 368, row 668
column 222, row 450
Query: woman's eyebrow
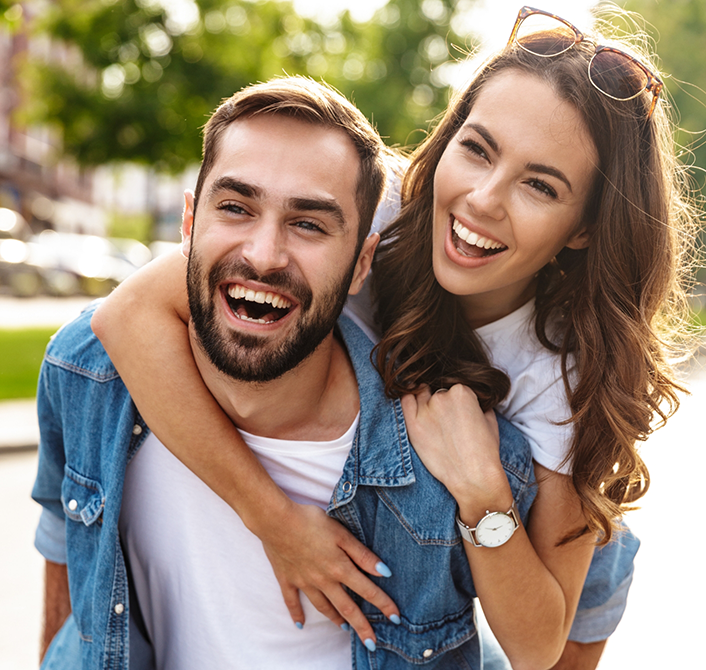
column 535, row 167
column 551, row 171
column 485, row 134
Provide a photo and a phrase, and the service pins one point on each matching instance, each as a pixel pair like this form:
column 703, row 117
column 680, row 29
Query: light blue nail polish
column 395, row 619
column 345, row 627
column 369, row 645
column 299, row 624
column 383, row 569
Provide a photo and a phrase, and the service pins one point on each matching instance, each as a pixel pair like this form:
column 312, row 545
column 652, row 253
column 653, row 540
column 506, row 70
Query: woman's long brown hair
column 616, row 310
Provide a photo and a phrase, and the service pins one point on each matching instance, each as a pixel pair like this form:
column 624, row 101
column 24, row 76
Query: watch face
column 495, row 529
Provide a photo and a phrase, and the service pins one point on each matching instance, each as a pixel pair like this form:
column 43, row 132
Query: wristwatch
column 493, row 530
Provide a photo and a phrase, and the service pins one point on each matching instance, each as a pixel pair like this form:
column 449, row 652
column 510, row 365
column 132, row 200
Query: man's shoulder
column 75, row 348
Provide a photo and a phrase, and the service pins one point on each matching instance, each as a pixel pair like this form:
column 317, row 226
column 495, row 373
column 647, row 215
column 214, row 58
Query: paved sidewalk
column 18, row 425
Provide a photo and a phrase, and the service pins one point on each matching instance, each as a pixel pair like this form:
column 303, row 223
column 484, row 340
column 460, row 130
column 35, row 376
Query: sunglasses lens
column 544, row 35
column 617, row 75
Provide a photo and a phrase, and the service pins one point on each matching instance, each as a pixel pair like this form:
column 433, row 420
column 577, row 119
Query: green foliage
column 21, row 353
column 145, row 83
column 679, row 30
column 133, row 225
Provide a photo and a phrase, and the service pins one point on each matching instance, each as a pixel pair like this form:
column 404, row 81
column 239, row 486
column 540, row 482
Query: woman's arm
column 529, row 587
column 143, row 328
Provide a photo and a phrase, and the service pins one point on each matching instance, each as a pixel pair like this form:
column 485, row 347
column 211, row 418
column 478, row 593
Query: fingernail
column 383, row 569
column 345, row 627
column 395, row 619
column 369, row 645
column 299, row 624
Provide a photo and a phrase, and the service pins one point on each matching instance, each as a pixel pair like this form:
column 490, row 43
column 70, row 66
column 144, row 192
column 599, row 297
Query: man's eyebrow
column 231, row 184
column 328, row 205
column 552, row 171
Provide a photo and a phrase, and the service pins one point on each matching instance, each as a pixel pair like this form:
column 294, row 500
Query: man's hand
column 315, row 554
column 57, row 603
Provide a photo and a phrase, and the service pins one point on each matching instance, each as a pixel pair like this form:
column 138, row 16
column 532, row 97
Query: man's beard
column 251, row 358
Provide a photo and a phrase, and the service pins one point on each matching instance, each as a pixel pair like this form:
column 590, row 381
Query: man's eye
column 231, row 207
column 309, row 225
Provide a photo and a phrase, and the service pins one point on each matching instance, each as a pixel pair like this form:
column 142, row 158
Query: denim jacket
column 90, row 429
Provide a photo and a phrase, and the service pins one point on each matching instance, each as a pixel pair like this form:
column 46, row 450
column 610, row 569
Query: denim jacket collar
column 381, row 463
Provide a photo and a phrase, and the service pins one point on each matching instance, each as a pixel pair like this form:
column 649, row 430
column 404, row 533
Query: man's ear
column 365, row 260
column 579, row 240
column 187, row 223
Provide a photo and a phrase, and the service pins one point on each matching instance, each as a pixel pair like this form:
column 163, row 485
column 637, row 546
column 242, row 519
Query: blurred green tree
column 679, row 30
column 136, row 79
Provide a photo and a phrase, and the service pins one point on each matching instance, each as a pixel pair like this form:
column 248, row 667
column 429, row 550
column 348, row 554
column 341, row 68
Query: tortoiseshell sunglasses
column 613, row 72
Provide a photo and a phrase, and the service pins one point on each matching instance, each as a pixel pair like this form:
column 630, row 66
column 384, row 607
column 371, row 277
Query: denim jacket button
column 119, row 608
column 427, row 653
column 72, row 505
column 347, row 486
column 136, row 429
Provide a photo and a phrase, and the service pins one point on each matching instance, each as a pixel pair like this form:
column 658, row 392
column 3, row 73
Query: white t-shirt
column 536, row 399
column 206, row 589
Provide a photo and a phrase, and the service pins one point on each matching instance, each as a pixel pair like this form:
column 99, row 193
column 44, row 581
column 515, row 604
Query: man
column 157, row 565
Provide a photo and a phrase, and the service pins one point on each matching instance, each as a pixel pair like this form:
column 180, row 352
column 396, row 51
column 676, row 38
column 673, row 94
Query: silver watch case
column 493, row 530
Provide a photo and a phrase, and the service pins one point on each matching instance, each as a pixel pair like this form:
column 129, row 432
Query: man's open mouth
column 472, row 245
column 257, row 306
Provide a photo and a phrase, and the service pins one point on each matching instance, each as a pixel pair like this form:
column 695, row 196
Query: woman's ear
column 579, row 240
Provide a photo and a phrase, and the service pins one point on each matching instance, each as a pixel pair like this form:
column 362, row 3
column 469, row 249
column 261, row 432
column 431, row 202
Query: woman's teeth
column 476, row 240
column 238, row 292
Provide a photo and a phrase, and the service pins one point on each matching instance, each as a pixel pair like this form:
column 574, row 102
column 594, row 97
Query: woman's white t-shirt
column 537, row 401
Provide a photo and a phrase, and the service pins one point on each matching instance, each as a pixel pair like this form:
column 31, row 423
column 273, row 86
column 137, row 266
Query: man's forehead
column 281, row 155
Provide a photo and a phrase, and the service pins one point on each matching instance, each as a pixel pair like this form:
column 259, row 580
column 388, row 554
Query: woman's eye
column 475, row 148
column 542, row 187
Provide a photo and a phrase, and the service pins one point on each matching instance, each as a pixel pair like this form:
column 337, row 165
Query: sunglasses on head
column 613, row 72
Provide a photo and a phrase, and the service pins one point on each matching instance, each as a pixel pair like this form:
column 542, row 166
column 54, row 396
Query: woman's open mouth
column 257, row 306
column 472, row 245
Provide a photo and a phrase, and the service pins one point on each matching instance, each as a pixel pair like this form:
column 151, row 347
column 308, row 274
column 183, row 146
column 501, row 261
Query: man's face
column 272, row 251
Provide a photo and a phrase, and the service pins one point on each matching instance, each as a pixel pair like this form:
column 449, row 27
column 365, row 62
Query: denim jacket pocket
column 427, row 644
column 82, row 498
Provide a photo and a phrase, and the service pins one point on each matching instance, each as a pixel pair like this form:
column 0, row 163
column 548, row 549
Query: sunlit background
column 101, row 106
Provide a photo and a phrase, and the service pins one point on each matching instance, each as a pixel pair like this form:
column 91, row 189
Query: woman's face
column 509, row 192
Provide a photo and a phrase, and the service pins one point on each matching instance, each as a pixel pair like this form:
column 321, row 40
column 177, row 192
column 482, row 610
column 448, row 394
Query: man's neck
column 318, row 400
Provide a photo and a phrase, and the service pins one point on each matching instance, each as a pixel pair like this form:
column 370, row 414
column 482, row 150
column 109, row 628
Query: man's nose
column 265, row 249
column 486, row 198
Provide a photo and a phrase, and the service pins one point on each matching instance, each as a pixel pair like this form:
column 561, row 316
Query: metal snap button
column 119, row 608
column 73, row 505
column 347, row 486
column 427, row 653
column 136, row 429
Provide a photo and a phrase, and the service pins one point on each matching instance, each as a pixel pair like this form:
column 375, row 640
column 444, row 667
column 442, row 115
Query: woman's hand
column 311, row 552
column 457, row 442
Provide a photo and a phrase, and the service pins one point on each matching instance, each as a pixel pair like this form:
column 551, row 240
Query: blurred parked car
column 68, row 264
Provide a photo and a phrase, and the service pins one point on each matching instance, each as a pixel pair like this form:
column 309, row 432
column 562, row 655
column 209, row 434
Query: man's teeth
column 238, row 292
column 475, row 239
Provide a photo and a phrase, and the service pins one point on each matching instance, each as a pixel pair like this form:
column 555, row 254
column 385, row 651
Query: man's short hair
column 317, row 103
